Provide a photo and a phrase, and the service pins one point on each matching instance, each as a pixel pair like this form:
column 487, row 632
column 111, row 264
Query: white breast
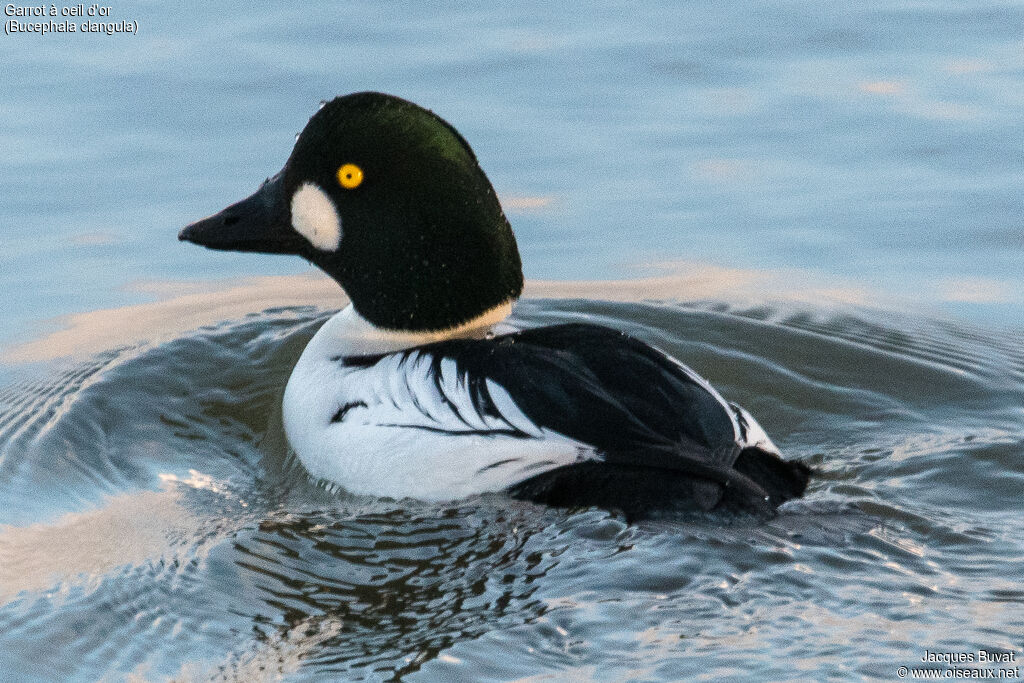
column 405, row 432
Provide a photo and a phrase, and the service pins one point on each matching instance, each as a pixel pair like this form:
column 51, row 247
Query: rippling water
column 154, row 523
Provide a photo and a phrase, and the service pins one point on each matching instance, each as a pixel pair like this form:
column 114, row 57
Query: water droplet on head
column 323, row 103
column 297, row 136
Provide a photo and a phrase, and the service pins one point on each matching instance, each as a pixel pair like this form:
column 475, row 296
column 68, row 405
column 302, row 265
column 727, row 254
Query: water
column 155, row 524
column 817, row 210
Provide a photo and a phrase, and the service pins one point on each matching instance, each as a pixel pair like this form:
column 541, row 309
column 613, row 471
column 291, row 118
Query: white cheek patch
column 315, row 218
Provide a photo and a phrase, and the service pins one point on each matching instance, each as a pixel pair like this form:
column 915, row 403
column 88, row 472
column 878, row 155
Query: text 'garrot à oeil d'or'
column 12, row 10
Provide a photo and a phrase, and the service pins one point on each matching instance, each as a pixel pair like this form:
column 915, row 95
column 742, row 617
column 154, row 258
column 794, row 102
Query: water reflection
column 184, row 306
column 402, row 587
column 128, row 529
column 201, row 304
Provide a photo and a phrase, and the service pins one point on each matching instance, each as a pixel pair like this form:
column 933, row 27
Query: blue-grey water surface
column 817, row 206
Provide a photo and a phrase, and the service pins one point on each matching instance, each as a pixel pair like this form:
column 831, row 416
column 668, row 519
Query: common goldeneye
column 409, row 392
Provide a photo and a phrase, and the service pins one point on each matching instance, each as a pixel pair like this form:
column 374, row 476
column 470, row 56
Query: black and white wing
column 636, row 429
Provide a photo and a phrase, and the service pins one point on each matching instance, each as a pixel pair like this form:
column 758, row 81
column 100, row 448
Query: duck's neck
column 349, row 334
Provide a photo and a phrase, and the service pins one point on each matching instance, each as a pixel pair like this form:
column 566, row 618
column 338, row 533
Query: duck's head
column 389, row 200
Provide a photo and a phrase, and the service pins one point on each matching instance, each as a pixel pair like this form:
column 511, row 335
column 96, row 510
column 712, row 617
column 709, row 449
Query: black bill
column 258, row 223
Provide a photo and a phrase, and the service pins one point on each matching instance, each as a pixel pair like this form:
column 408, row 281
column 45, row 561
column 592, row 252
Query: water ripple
column 155, row 523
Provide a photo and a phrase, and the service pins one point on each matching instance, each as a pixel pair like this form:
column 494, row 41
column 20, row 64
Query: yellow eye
column 350, row 176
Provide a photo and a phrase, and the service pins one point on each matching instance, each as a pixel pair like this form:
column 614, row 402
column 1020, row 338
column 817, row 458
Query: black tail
column 761, row 482
column 781, row 479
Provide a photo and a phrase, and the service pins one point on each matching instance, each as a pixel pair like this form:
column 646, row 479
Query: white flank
column 405, row 432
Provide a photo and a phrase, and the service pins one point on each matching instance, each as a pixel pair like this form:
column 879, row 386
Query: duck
column 420, row 389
